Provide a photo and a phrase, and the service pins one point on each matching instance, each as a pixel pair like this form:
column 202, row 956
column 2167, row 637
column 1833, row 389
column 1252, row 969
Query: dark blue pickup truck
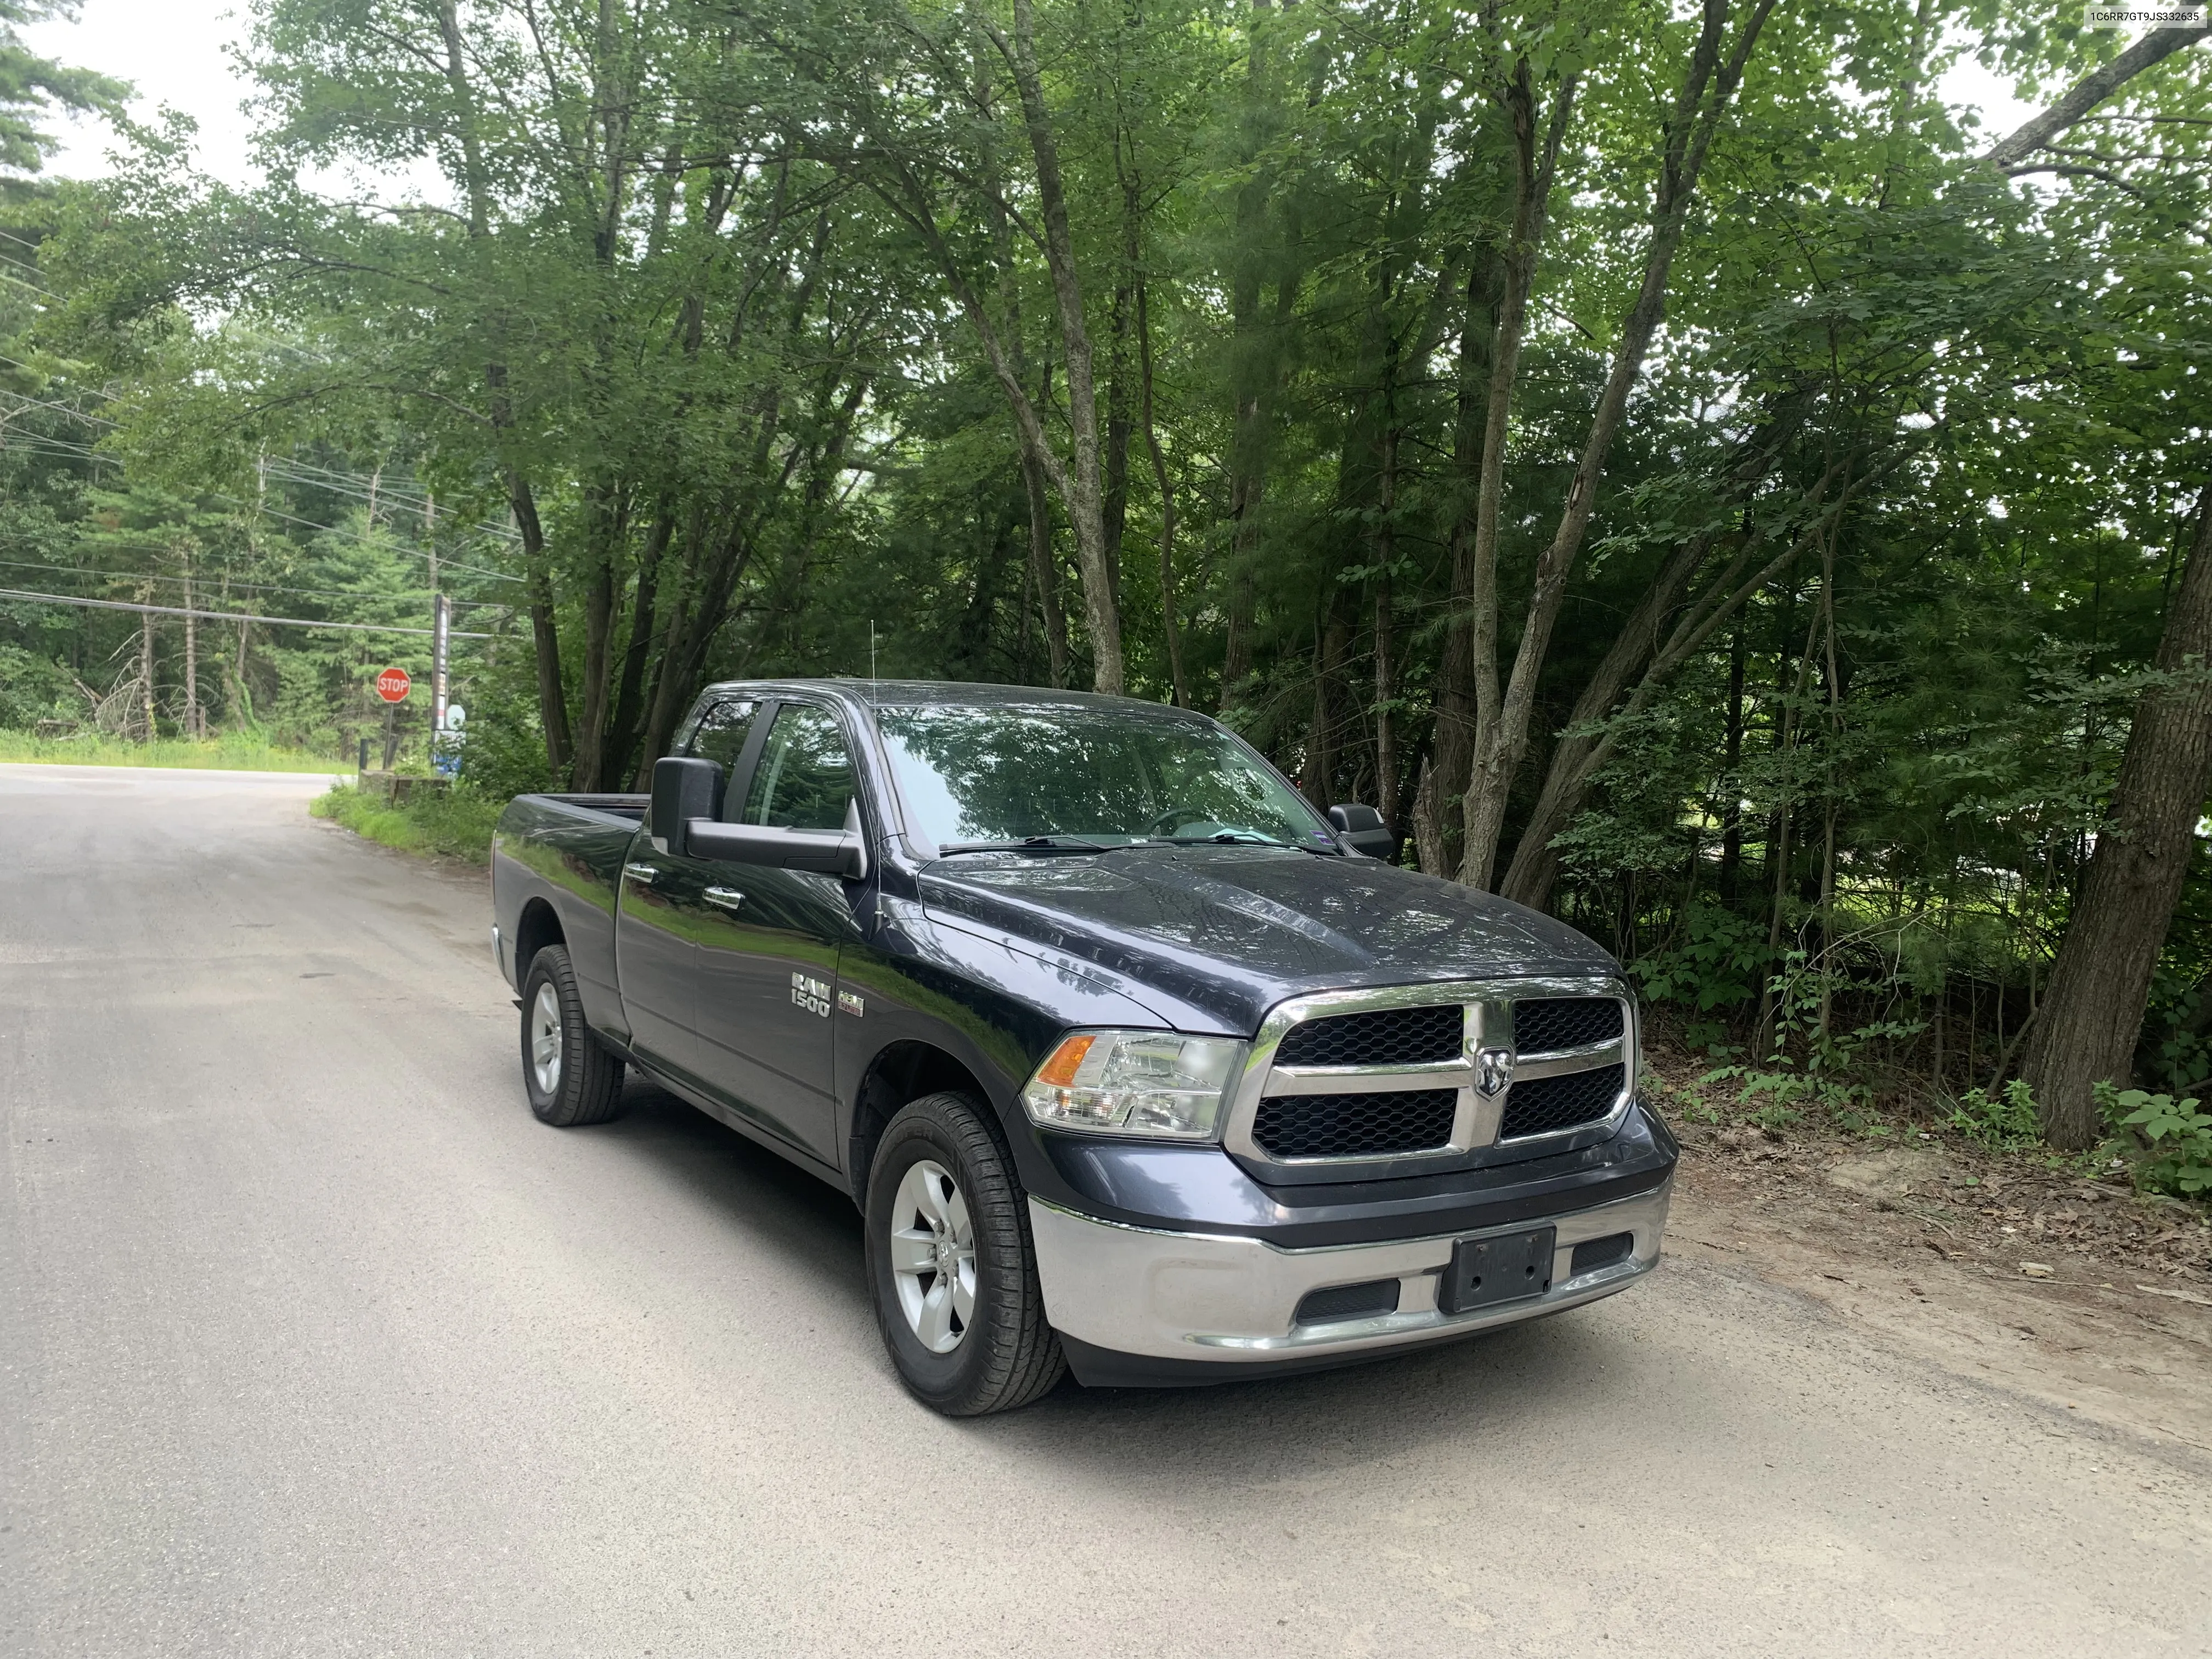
column 1135, row 1065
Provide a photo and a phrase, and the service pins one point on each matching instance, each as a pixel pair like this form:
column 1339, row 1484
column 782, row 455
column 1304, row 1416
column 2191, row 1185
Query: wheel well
column 536, row 929
column 904, row 1072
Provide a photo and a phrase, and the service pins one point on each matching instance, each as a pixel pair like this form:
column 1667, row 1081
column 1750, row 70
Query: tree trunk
column 1121, row 426
column 1502, row 739
column 1777, row 868
column 195, row 722
column 552, row 697
column 1028, row 433
column 1579, row 756
column 1454, row 748
column 1533, row 173
column 603, row 595
column 241, row 713
column 2085, row 94
column 1250, row 355
column 2092, row 1013
column 1386, row 676
column 1332, row 639
column 1170, row 601
column 146, row 661
column 1428, row 828
column 1731, row 763
column 552, row 700
column 1081, row 488
column 629, row 696
column 1832, row 674
column 1043, row 574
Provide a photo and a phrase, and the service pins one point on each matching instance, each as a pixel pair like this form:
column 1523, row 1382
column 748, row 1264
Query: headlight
column 1135, row 1083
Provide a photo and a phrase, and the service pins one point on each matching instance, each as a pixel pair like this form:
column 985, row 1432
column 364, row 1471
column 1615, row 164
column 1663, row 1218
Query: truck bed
column 565, row 852
column 620, row 806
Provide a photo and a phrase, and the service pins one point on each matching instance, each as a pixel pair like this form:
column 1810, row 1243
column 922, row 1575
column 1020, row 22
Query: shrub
column 2008, row 1118
column 450, row 823
column 2170, row 1140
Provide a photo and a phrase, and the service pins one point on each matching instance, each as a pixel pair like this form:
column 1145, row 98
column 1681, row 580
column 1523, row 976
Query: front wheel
column 571, row 1076
column 951, row 1268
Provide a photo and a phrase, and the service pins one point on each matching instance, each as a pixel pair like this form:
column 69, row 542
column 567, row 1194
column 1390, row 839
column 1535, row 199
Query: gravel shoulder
column 2119, row 1332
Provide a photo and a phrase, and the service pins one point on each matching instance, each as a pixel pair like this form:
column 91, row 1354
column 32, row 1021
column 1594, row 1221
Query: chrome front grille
column 1355, row 1126
column 1544, row 1104
column 1350, row 1085
column 1544, row 1025
column 1387, row 1036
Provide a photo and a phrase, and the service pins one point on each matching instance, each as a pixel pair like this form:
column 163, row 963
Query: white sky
column 173, row 52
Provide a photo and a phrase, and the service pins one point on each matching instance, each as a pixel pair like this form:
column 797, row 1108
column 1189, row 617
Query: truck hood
column 1229, row 932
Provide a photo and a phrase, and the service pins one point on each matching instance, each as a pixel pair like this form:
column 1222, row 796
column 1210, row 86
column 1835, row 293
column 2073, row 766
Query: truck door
column 665, row 903
column 769, row 943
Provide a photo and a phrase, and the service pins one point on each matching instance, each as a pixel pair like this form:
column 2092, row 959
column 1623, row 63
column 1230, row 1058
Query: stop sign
column 392, row 686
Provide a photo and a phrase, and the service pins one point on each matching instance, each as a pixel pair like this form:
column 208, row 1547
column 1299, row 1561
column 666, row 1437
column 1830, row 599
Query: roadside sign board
column 392, row 686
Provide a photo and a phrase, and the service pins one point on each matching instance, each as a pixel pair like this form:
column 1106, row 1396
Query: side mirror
column 684, row 788
column 826, row 852
column 1362, row 829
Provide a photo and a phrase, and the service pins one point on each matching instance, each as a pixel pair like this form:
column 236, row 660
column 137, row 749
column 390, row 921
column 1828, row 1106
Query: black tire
column 1007, row 1356
column 586, row 1085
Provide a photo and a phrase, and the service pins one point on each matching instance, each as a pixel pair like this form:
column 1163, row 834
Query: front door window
column 767, row 954
column 805, row 777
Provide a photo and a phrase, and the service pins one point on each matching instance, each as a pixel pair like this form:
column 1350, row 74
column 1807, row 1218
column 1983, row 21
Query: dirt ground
column 2082, row 1294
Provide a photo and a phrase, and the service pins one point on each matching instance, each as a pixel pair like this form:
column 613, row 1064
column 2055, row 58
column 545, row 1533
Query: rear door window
column 803, row 778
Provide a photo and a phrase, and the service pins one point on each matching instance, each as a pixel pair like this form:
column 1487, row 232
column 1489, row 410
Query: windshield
column 1009, row 774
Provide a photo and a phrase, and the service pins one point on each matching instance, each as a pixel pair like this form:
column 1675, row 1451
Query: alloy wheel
column 545, row 1040
column 933, row 1256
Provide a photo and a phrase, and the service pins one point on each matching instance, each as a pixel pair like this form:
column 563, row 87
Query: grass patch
column 232, row 752
column 449, row 824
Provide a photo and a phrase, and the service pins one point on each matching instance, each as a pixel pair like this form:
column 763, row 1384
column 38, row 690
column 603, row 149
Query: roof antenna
column 871, row 653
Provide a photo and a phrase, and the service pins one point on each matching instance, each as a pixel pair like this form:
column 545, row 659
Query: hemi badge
column 851, row 1004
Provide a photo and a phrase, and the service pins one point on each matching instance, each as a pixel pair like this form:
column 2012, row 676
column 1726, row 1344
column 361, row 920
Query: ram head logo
column 1493, row 1071
column 1491, row 1045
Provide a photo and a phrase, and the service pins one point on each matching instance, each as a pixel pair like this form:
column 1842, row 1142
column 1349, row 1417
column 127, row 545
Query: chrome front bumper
column 1218, row 1297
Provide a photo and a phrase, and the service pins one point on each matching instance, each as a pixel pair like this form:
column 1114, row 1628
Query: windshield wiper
column 1027, row 844
column 1227, row 838
column 1240, row 838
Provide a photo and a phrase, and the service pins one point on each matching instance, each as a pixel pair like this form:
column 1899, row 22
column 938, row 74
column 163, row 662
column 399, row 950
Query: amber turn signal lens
column 1059, row 1069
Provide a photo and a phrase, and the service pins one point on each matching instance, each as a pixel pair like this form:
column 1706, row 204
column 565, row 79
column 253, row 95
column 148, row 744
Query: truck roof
column 884, row 694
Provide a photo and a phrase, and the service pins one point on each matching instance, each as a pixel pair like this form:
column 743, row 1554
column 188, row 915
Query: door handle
column 727, row 898
column 644, row 872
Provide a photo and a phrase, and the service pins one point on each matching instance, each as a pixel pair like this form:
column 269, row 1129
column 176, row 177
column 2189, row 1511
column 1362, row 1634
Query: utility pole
column 441, row 622
column 442, row 626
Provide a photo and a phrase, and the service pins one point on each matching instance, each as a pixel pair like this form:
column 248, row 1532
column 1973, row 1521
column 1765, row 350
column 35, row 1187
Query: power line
column 37, row 439
column 298, row 470
column 227, row 616
column 214, row 580
column 289, row 468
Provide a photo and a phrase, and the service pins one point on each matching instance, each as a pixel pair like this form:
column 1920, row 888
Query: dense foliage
column 1663, row 456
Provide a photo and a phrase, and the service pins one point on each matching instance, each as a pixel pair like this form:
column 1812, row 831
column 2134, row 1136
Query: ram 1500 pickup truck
column 1135, row 1065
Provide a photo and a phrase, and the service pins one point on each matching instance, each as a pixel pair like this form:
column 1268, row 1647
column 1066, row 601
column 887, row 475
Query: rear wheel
column 950, row 1264
column 571, row 1077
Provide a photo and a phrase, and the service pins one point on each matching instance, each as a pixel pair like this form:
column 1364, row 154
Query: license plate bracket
column 1504, row 1268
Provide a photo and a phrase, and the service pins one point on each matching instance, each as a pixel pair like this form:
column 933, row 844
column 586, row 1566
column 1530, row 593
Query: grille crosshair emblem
column 1493, row 1071
column 1490, row 1033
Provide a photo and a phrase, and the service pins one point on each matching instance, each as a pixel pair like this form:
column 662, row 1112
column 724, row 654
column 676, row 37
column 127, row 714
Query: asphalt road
column 312, row 1341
